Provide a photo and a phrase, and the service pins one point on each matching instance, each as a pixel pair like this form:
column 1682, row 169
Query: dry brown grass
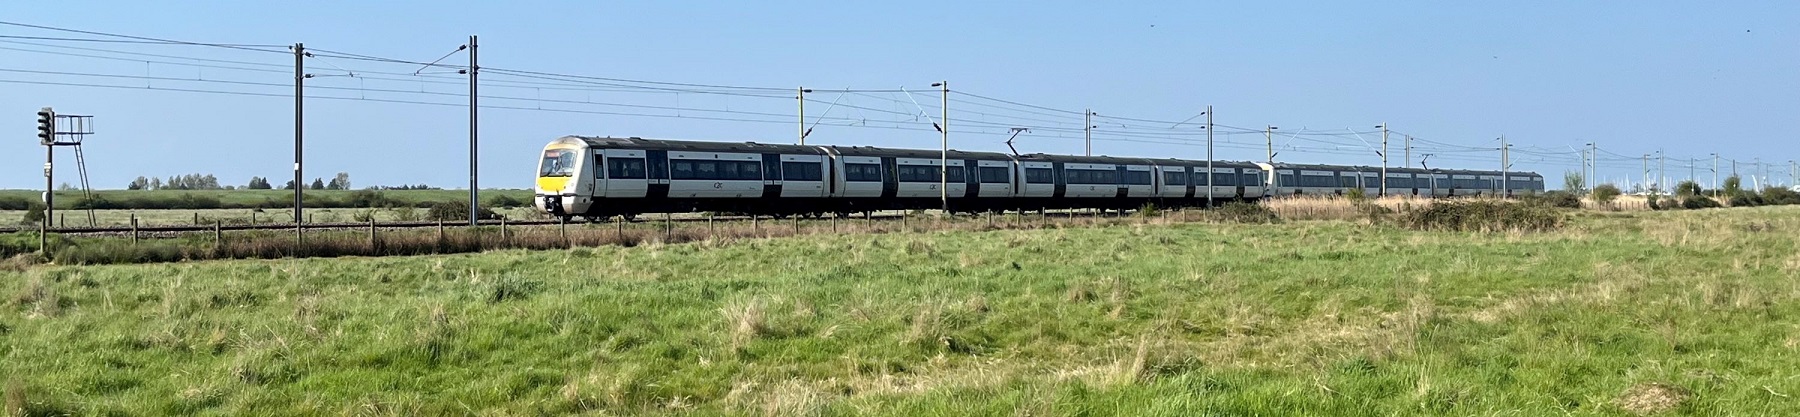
column 1651, row 398
column 1321, row 207
column 1621, row 203
column 405, row 242
column 746, row 320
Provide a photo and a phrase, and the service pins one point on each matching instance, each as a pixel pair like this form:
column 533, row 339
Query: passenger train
column 599, row 177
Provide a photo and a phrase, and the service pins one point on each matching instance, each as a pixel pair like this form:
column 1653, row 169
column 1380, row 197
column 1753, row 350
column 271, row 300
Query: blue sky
column 1688, row 79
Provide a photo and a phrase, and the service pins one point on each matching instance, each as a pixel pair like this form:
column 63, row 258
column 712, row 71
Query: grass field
column 1687, row 312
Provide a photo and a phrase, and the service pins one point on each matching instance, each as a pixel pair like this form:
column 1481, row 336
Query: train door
column 771, row 164
column 657, row 164
column 1061, row 185
column 890, row 178
column 1124, row 188
column 1188, row 172
column 597, row 165
column 625, row 174
column 971, row 184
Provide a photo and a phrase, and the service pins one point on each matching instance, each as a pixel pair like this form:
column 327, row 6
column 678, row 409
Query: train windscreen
column 557, row 163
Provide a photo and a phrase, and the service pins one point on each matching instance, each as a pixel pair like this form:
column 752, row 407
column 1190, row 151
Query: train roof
column 1122, row 160
column 916, row 153
column 683, row 145
column 749, row 147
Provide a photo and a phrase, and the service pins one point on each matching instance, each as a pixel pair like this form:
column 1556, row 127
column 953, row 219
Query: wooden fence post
column 756, row 224
column 668, row 228
column 709, row 225
column 503, row 238
column 218, row 233
column 373, row 247
column 621, row 234
column 196, row 218
column 562, row 230
column 834, row 219
column 796, row 225
column 134, row 229
column 440, row 240
column 44, row 239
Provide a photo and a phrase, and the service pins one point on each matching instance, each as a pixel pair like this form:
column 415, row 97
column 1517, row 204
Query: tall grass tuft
column 1482, row 216
column 1241, row 212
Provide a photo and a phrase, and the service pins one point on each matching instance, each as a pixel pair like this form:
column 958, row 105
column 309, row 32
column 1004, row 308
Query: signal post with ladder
column 62, row 130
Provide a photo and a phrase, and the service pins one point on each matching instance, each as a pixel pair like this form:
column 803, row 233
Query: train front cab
column 562, row 175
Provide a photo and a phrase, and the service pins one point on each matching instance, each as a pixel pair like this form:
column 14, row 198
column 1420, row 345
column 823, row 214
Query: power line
column 245, row 47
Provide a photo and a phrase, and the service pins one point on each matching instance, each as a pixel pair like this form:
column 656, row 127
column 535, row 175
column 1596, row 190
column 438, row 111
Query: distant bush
column 1482, row 216
column 1779, row 196
column 406, row 214
column 1560, row 199
column 1605, row 193
column 17, row 203
column 455, row 210
column 1687, row 188
column 1698, row 202
column 1147, row 210
column 1732, row 187
column 1574, row 182
column 371, row 199
column 504, row 200
column 1665, row 203
column 1743, row 199
column 1242, row 212
column 33, row 215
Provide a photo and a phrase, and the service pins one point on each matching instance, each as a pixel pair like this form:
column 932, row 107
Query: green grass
column 1300, row 318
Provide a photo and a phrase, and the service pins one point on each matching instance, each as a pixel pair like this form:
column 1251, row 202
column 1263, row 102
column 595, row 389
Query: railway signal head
column 46, row 126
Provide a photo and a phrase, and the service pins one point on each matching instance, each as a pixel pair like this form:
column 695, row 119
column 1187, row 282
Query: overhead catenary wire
column 996, row 114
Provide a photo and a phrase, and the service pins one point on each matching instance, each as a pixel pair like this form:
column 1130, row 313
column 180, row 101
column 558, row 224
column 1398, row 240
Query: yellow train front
column 563, row 177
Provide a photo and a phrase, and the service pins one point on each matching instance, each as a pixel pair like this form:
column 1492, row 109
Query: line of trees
column 177, row 182
column 341, row 181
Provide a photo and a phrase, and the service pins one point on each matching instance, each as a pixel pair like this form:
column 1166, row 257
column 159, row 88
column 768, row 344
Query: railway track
column 223, row 227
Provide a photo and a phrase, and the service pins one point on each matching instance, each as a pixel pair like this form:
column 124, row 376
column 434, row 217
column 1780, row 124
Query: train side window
column 1224, row 179
column 956, row 174
column 801, row 171
column 1137, row 177
column 749, row 171
column 681, row 170
column 862, row 172
column 993, row 175
column 1174, row 178
column 1039, row 176
column 625, row 168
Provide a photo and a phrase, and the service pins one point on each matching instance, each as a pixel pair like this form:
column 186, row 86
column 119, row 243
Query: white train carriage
column 859, row 176
column 597, row 177
column 1441, row 184
column 1172, row 180
column 1401, row 183
column 1370, row 181
column 1037, row 179
column 888, row 179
